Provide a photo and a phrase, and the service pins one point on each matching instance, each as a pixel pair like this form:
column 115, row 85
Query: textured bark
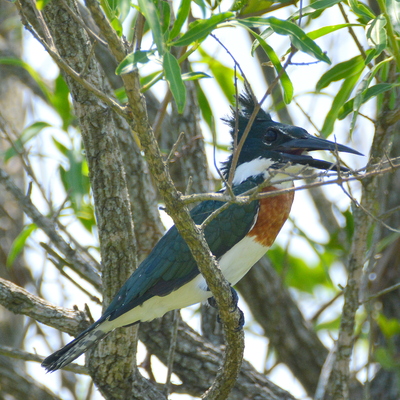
column 338, row 385
column 111, row 372
column 197, row 362
column 20, row 301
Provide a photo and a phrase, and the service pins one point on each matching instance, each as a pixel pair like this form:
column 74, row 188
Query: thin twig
column 171, row 351
column 26, row 356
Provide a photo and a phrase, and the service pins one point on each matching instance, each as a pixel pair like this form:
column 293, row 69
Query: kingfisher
column 238, row 237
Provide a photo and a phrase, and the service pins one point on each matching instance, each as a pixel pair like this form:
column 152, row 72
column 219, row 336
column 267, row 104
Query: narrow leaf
column 19, row 243
column 340, row 98
column 193, row 76
column 183, row 12
column 284, row 78
column 364, row 13
column 299, row 38
column 148, row 9
column 129, row 63
column 173, row 76
column 325, row 30
column 369, row 93
column 199, row 29
column 316, row 6
column 205, row 108
column 341, row 71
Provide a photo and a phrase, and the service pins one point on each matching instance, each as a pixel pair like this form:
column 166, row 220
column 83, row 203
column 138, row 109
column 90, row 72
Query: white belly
column 234, row 265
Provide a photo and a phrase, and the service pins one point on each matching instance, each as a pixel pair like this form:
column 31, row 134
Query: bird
column 238, row 236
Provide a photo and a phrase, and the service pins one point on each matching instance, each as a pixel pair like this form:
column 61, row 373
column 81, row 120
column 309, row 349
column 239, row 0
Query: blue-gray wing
column 171, row 264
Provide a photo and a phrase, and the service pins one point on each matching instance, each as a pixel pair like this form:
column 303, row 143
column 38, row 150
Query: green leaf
column 199, row 29
column 315, row 6
column 298, row 38
column 298, row 273
column 205, row 108
column 252, row 6
column 165, row 16
column 325, row 30
column 172, row 72
column 60, row 101
column 386, row 359
column 376, row 35
column 367, row 94
column 183, row 12
column 40, row 4
column 340, row 98
column 129, row 63
column 193, row 76
column 341, row 71
column 27, row 134
column 388, row 326
column 363, row 12
column 19, row 244
column 393, row 10
column 148, row 9
column 116, row 24
column 284, row 78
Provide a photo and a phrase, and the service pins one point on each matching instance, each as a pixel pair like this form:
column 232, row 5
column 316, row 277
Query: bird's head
column 272, row 145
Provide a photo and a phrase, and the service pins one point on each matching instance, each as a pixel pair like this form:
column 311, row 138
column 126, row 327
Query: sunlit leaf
column 284, row 78
column 256, row 6
column 40, row 4
column 340, row 71
column 165, row 16
column 364, row 13
column 183, row 12
column 193, row 76
column 149, row 10
column 325, row 30
column 368, row 94
column 172, row 72
column 393, row 10
column 199, row 29
column 315, row 6
column 129, row 63
column 298, row 38
column 19, row 243
column 376, row 35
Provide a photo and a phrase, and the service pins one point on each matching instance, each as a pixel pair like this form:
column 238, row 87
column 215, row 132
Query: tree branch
column 19, row 301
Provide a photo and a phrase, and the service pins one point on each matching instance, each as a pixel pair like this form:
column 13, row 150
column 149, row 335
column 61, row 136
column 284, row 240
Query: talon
column 211, row 302
column 235, row 299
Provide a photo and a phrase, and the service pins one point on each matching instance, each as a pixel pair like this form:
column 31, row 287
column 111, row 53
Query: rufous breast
column 273, row 213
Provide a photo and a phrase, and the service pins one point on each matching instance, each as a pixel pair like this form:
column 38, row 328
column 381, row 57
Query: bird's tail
column 74, row 349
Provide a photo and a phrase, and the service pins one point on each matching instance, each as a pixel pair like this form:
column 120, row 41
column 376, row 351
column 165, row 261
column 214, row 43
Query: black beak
column 292, row 151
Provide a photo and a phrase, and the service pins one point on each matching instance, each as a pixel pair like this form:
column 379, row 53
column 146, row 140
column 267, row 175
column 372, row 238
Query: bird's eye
column 270, row 136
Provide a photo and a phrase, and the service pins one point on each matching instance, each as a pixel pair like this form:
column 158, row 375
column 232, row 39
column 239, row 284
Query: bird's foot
column 235, row 300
